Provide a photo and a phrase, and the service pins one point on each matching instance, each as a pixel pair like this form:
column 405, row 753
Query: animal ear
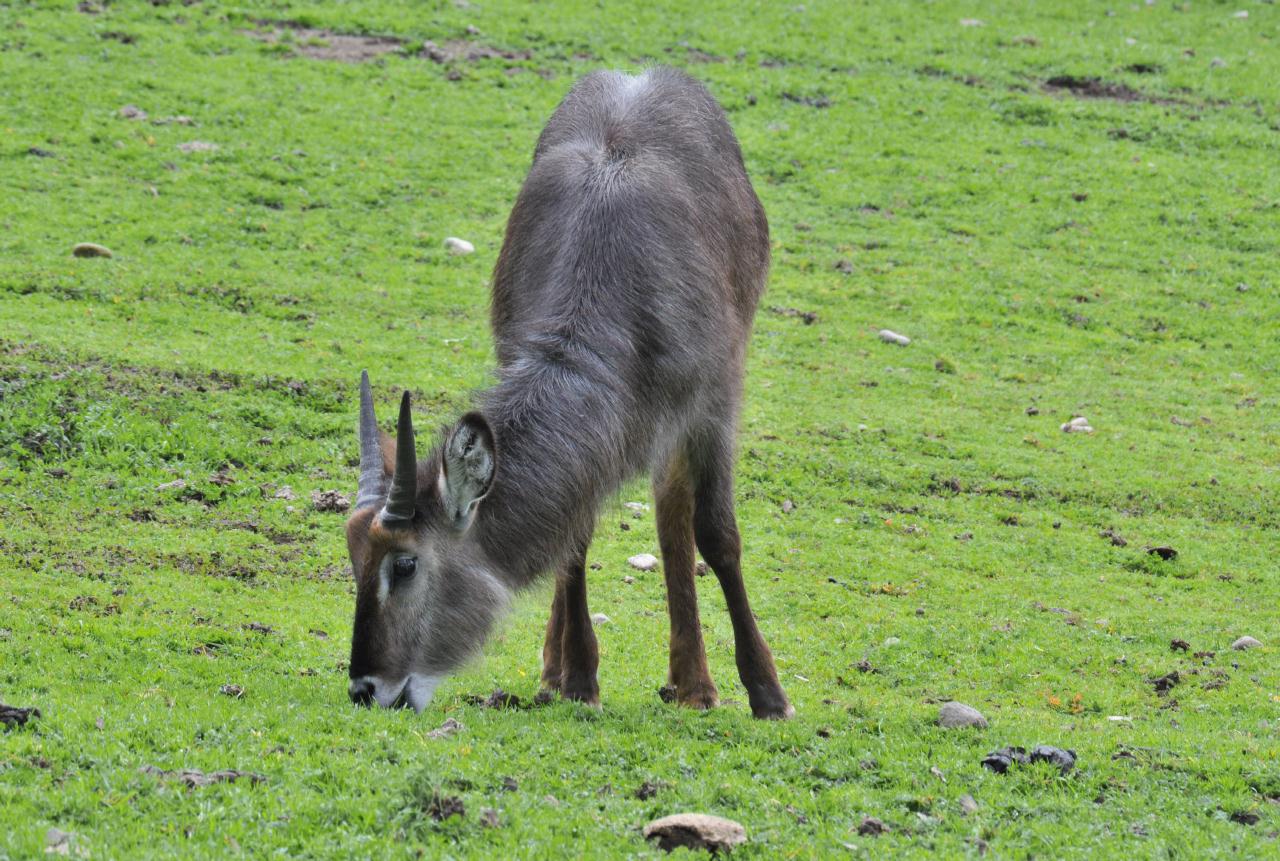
column 388, row 447
column 467, row 468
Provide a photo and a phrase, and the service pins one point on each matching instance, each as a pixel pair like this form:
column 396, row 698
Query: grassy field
column 1072, row 209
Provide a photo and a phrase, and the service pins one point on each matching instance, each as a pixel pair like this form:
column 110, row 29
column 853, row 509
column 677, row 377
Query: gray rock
column 1245, row 643
column 695, row 831
column 953, row 715
column 968, row 805
column 643, row 562
column 90, row 249
column 458, row 247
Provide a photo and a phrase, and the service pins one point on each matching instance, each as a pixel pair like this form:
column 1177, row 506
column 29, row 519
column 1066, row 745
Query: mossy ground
column 1101, row 248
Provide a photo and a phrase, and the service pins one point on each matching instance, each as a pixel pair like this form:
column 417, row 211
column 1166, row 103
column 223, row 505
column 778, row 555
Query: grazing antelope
column 622, row 304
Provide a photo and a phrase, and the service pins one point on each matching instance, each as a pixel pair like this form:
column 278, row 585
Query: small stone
column 970, row 22
column 448, row 728
column 285, row 492
column 1217, row 63
column 967, row 805
column 637, row 507
column 234, row 691
column 489, row 818
column 1241, row 14
column 90, row 249
column 1079, row 424
column 953, row 715
column 133, row 112
column 58, row 842
column 700, row 569
column 176, row 484
column 329, row 500
column 628, row 579
column 891, row 337
column 198, row 146
column 643, row 562
column 1245, row 642
column 889, row 642
column 788, row 506
column 458, row 247
column 600, row 619
column 695, row 831
column 872, row 827
column 1033, row 411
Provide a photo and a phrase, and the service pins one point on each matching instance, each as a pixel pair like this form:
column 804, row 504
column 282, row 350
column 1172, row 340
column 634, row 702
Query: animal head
column 426, row 595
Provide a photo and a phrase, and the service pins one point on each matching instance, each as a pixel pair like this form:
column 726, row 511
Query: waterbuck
column 622, row 305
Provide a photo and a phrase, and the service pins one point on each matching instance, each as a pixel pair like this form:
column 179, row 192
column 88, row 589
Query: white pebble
column 891, row 337
column 1241, row 14
column 600, row 619
column 458, row 247
column 635, row 506
column 1079, row 424
column 643, row 562
column 891, row 641
column 1245, row 643
column 176, row 484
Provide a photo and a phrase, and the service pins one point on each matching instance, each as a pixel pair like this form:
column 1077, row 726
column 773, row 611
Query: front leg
column 579, row 654
column 551, row 646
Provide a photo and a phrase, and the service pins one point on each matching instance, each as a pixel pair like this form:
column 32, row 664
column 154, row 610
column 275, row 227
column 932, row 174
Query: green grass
column 252, row 283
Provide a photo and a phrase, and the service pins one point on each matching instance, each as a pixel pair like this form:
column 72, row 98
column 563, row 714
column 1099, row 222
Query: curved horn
column 404, row 484
column 373, row 482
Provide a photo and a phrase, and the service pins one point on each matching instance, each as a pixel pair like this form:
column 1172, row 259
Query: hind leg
column 715, row 528
column 687, row 670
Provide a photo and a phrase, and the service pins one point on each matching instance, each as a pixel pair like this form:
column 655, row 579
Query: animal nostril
column 361, row 691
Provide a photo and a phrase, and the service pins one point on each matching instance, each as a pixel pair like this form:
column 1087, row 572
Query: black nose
column 361, row 691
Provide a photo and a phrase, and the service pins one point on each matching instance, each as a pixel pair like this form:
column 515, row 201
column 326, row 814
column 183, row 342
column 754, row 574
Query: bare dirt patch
column 326, row 44
column 464, row 50
column 1096, row 88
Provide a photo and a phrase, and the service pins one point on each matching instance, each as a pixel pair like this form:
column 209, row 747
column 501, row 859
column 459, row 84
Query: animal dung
column 1245, row 642
column 1003, row 759
column 90, row 249
column 1079, row 424
column 458, row 247
column 329, row 500
column 891, row 337
column 872, row 827
column 15, row 716
column 643, row 561
column 953, row 715
column 695, row 831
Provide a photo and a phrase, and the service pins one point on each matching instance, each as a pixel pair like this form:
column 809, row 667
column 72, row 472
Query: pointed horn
column 404, row 484
column 373, row 483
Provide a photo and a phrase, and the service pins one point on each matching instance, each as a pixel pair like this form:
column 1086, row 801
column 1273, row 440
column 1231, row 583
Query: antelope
column 622, row 304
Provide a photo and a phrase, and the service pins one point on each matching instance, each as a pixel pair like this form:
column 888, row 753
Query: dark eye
column 404, row 567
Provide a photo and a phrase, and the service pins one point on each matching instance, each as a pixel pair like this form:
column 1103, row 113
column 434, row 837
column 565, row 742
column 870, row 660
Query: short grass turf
column 1071, row 209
